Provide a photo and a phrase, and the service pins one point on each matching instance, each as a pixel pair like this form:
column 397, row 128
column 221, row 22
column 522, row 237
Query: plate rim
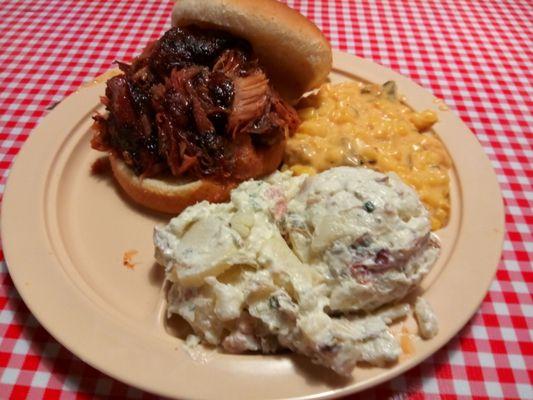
column 11, row 218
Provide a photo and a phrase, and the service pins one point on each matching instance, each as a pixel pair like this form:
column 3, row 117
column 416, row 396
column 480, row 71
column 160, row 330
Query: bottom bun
column 169, row 195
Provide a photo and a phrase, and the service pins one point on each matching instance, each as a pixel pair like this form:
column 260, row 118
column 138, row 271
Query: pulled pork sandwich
column 208, row 104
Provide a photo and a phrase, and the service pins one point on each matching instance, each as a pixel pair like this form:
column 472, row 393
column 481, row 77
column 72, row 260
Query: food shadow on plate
column 101, row 170
column 177, row 327
column 317, row 375
column 156, row 275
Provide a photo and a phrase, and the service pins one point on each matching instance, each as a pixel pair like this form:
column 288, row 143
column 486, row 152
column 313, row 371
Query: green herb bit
column 369, row 206
column 389, row 89
column 273, row 302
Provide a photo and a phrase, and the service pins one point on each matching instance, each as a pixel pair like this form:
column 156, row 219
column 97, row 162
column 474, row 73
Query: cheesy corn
column 360, row 124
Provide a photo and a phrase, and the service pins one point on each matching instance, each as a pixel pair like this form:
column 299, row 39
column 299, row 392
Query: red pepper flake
column 127, row 259
column 383, row 257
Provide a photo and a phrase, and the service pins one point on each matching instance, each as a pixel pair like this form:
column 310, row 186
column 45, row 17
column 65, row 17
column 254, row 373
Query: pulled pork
column 197, row 103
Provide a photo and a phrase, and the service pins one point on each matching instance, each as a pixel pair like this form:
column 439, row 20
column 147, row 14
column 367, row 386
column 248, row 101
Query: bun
column 293, row 50
column 172, row 195
column 169, row 195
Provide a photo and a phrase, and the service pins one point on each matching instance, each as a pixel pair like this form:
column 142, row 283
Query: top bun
column 294, row 51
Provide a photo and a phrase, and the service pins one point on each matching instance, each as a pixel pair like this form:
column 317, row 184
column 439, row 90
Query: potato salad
column 315, row 264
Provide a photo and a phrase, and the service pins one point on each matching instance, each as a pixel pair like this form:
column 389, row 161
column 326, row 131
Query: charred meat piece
column 180, row 106
column 182, row 47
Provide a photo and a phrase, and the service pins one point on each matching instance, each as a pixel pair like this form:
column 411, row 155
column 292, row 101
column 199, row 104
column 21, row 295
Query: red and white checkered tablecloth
column 477, row 55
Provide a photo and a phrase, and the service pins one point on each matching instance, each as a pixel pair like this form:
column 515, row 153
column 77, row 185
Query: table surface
column 477, row 55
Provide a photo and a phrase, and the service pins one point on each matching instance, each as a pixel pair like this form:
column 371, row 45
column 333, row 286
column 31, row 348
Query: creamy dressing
column 306, row 263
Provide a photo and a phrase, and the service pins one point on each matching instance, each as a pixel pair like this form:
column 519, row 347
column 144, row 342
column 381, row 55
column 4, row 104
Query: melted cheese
column 358, row 124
